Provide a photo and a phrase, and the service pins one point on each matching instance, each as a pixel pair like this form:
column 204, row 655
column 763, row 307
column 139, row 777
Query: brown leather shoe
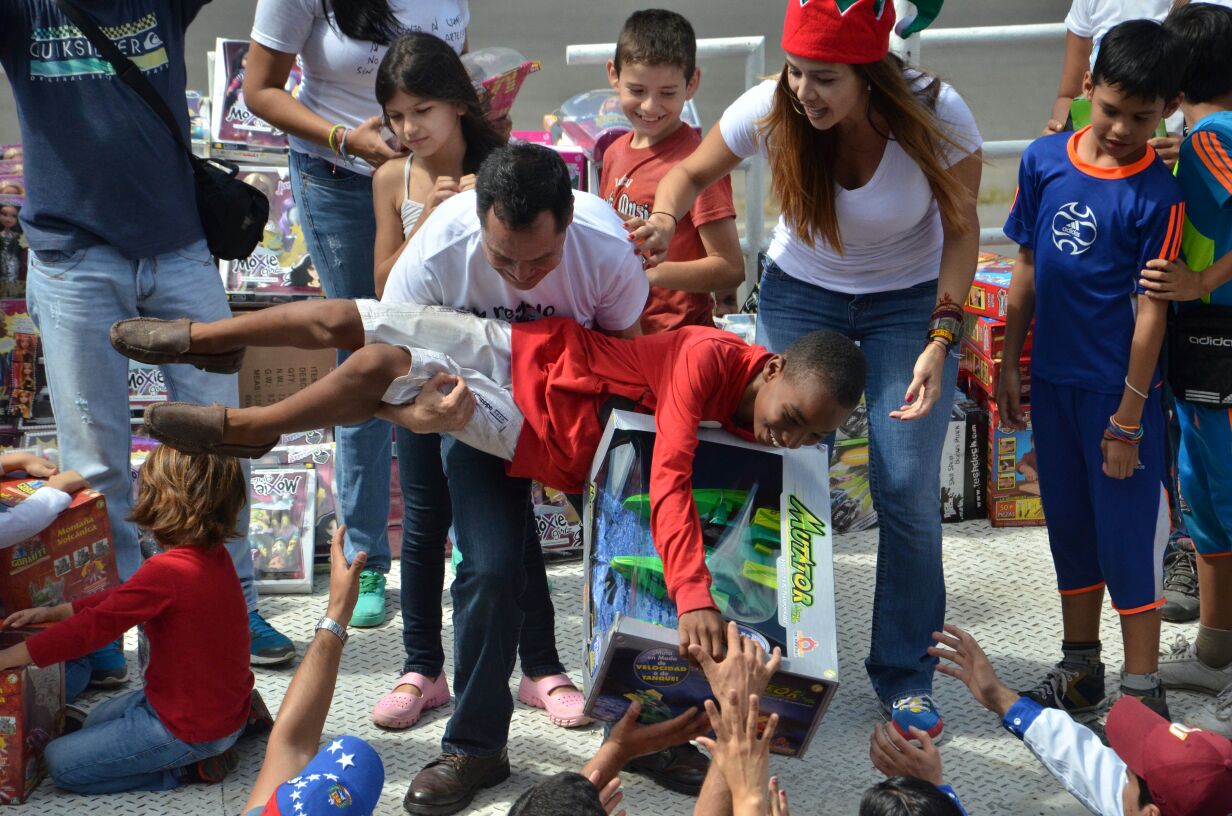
column 449, row 783
column 681, row 768
column 159, row 342
column 197, row 429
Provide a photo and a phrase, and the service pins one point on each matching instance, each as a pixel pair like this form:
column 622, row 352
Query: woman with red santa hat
column 876, row 165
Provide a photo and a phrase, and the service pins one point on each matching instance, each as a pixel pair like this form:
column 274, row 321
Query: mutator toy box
column 31, row 716
column 765, row 516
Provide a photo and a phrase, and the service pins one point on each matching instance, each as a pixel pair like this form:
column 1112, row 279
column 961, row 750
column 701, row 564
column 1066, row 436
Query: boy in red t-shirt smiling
column 655, row 73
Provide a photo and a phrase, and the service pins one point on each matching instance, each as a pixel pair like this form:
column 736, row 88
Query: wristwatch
column 331, row 625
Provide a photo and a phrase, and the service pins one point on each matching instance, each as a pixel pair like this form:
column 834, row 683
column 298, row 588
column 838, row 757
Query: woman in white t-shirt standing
column 876, row 167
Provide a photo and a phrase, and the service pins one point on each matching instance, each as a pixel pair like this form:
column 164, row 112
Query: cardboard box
column 990, row 289
column 31, row 715
column 964, row 463
column 272, row 374
column 1013, row 482
column 851, row 495
column 984, row 372
column 71, row 558
column 766, row 527
column 987, row 335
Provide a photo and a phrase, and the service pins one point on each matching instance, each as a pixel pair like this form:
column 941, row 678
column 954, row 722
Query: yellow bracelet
column 333, row 136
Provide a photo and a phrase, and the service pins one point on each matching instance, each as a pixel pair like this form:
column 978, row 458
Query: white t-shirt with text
column 599, row 282
column 891, row 227
column 339, row 72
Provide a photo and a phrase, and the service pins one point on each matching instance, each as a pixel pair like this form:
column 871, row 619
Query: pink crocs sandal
column 401, row 709
column 563, row 709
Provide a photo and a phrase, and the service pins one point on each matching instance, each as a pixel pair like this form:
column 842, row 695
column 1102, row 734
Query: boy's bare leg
column 306, row 324
column 1080, row 615
column 1140, row 632
column 349, row 394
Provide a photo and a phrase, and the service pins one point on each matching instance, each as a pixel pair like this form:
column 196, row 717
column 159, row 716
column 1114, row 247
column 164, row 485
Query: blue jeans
column 335, row 206
column 904, row 464
column 124, row 746
column 74, row 297
column 500, row 581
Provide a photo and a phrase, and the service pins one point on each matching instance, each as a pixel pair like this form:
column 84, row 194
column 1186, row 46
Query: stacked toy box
column 765, row 524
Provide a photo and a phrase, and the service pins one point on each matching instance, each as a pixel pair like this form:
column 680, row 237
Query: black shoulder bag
column 233, row 214
column 1200, row 355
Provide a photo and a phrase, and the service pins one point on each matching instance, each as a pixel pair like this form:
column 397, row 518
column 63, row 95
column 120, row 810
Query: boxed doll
column 69, row 559
column 31, row 715
column 236, row 132
column 1013, row 480
column 282, row 528
column 767, row 539
column 320, row 459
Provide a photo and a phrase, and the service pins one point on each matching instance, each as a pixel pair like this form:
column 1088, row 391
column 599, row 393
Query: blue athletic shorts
column 1205, row 467
column 1102, row 531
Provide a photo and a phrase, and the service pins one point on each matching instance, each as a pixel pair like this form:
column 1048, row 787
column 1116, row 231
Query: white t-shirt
column 1094, row 18
column 340, row 73
column 891, row 227
column 599, row 283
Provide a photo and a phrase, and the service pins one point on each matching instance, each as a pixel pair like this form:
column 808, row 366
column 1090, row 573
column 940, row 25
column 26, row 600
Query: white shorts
column 442, row 339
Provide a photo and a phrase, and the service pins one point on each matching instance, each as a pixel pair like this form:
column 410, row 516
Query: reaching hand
column 743, row 757
column 926, row 384
column 894, row 755
column 36, row 466
column 39, row 614
column 343, row 580
column 1167, row 148
column 630, row 739
column 778, row 799
column 703, row 627
column 744, row 670
column 610, row 795
column 652, row 236
column 966, row 661
column 70, row 481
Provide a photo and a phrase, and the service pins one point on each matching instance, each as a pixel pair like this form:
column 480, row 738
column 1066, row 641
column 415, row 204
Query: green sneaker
column 370, row 608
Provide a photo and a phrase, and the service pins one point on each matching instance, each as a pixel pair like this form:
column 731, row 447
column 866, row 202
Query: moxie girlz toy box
column 31, row 715
column 71, row 558
column 766, row 531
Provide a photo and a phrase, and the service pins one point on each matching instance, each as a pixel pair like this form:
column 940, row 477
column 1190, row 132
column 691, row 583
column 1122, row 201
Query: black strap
column 125, row 69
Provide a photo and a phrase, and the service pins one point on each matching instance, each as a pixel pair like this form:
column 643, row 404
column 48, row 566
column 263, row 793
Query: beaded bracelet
column 1129, row 434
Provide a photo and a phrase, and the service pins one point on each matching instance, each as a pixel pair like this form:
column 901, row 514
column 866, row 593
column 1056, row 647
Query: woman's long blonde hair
column 802, row 157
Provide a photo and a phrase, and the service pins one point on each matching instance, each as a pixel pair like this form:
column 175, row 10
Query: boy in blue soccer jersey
column 1201, row 283
column 1092, row 208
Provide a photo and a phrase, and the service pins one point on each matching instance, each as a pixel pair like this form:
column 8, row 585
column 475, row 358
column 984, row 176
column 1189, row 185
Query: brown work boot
column 197, row 429
column 448, row 783
column 159, row 342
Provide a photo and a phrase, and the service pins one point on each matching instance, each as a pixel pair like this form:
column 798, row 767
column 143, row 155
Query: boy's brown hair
column 657, row 37
column 189, row 499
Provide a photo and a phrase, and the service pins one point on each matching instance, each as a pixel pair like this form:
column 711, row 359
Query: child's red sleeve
column 99, row 619
column 674, row 523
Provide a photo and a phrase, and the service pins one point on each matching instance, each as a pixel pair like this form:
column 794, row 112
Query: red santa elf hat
column 853, row 32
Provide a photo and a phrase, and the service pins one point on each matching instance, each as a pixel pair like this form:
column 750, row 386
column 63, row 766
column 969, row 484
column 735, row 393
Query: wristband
column 342, row 148
column 332, row 141
column 675, row 220
column 1135, row 390
column 1129, row 434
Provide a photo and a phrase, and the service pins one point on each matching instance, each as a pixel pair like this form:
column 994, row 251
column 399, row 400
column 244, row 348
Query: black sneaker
column 1180, row 582
column 681, row 768
column 1070, row 687
column 211, row 770
column 260, row 721
column 74, row 718
column 1156, row 699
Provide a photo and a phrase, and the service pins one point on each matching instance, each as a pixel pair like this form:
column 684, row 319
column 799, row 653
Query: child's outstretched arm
column 721, row 268
column 27, row 462
column 1121, row 458
column 1020, row 309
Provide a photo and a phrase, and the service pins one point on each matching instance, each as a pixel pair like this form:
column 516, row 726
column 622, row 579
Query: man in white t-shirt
column 520, row 246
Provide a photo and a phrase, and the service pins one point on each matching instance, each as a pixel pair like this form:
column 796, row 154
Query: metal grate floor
column 1000, row 587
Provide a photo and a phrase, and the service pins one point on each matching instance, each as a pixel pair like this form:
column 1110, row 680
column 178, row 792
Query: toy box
column 987, row 335
column 964, row 462
column 559, row 528
column 31, row 715
column 145, row 384
column 766, row 530
column 272, row 374
column 237, row 133
column 319, row 458
column 983, row 372
column 14, row 250
column 198, row 121
column 282, row 527
column 71, row 558
column 280, row 268
column 851, row 495
column 575, row 159
column 991, row 286
column 498, row 74
column 20, row 379
column 1013, row 481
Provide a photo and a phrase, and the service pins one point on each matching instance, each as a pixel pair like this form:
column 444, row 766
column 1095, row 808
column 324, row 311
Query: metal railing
column 753, row 51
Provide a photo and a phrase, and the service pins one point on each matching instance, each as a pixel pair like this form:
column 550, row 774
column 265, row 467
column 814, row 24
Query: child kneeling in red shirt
column 538, row 390
column 198, row 689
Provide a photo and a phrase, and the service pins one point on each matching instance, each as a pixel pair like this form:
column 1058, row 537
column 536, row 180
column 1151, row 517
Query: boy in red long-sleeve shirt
column 537, row 388
column 198, row 689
